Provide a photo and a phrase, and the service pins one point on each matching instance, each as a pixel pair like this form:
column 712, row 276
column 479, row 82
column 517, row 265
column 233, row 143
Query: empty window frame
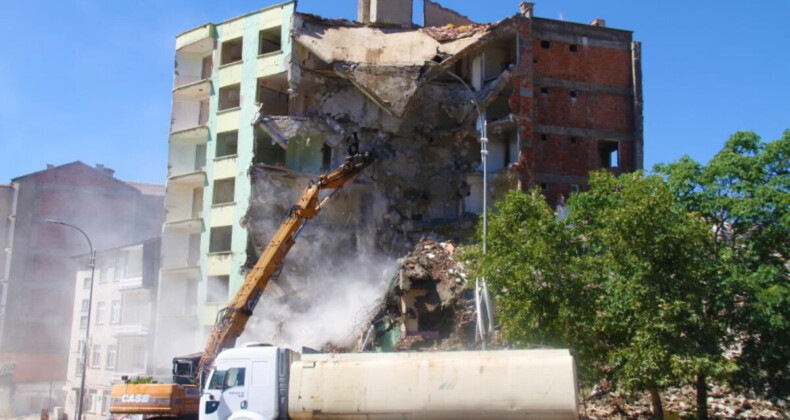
column 274, row 102
column 224, row 191
column 231, row 51
column 229, row 97
column 573, row 48
column 227, row 143
column 608, row 153
column 217, row 289
column 270, row 40
column 545, row 44
column 221, row 238
column 268, row 152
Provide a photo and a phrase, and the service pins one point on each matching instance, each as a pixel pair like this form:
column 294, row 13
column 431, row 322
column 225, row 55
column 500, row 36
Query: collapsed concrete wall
column 434, row 14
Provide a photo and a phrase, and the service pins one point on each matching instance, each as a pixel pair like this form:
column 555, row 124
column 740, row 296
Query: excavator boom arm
column 232, row 320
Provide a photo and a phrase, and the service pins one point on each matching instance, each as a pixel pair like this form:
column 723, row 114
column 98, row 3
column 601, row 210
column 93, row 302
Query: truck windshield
column 223, row 379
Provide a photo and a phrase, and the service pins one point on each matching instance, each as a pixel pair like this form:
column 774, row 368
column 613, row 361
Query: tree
column 624, row 280
column 650, row 257
column 744, row 193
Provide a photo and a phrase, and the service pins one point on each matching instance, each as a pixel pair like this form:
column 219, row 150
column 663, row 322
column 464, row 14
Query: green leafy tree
column 649, row 256
column 744, row 194
column 624, row 280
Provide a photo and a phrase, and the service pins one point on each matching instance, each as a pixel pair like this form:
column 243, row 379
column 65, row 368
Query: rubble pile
column 723, row 403
column 429, row 306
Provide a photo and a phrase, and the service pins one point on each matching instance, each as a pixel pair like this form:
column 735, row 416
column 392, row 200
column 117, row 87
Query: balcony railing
column 130, row 283
column 131, row 329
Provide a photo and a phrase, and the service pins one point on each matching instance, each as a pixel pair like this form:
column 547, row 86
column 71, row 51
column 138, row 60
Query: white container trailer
column 261, row 383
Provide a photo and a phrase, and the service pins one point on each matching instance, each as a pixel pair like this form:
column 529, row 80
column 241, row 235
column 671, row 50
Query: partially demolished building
column 264, row 102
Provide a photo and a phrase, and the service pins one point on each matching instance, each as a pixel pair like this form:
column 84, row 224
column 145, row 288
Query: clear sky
column 90, row 80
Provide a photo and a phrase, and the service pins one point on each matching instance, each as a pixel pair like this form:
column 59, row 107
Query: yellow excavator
column 182, row 397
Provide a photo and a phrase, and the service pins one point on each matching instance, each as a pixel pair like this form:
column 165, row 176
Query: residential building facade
column 122, row 323
column 38, row 290
column 265, row 102
column 211, row 146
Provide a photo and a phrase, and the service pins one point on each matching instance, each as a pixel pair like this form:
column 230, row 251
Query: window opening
column 544, row 91
column 573, row 48
column 224, row 191
column 220, row 239
column 274, row 102
column 218, row 288
column 227, row 143
column 608, row 153
column 231, row 51
column 229, row 97
column 270, row 40
column 267, row 152
column 545, row 44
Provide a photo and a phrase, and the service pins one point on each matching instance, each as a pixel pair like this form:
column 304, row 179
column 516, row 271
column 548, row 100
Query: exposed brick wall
column 598, row 65
column 596, row 110
column 589, row 98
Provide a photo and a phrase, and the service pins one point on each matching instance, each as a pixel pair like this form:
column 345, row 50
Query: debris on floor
column 429, row 305
column 723, row 403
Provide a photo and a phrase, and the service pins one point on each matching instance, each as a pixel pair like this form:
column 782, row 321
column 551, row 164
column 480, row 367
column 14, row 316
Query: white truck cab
column 247, row 383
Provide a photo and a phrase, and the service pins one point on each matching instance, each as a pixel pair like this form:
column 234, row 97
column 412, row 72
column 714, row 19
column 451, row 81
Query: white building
column 122, row 318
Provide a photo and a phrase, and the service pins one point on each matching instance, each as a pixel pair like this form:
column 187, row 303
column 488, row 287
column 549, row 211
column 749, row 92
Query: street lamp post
column 481, row 290
column 78, row 409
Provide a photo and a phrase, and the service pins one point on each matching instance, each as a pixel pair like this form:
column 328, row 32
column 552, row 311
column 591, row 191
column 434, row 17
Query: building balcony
column 130, row 283
column 198, row 90
column 188, row 226
column 192, row 135
column 131, row 329
column 187, row 271
column 197, row 40
column 195, row 178
column 219, row 263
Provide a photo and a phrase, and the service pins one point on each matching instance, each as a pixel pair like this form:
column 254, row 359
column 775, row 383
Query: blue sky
column 90, row 80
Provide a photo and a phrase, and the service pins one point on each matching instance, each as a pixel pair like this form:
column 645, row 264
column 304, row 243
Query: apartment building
column 122, row 324
column 37, row 281
column 265, row 102
column 219, row 67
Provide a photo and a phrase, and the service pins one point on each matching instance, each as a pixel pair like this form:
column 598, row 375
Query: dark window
column 224, row 191
column 573, row 48
column 544, row 91
column 231, row 51
column 274, row 102
column 574, row 188
column 217, row 289
column 229, row 97
column 220, row 239
column 608, row 153
column 268, row 152
column 544, row 186
column 545, row 44
column 573, row 94
column 574, row 140
column 269, row 40
column 227, row 143
column 544, row 137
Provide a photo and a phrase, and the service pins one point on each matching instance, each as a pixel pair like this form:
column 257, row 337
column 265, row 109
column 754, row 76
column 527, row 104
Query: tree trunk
column 658, row 410
column 702, row 397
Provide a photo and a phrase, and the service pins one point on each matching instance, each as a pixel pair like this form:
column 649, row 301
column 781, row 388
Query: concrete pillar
column 363, row 11
column 527, row 9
